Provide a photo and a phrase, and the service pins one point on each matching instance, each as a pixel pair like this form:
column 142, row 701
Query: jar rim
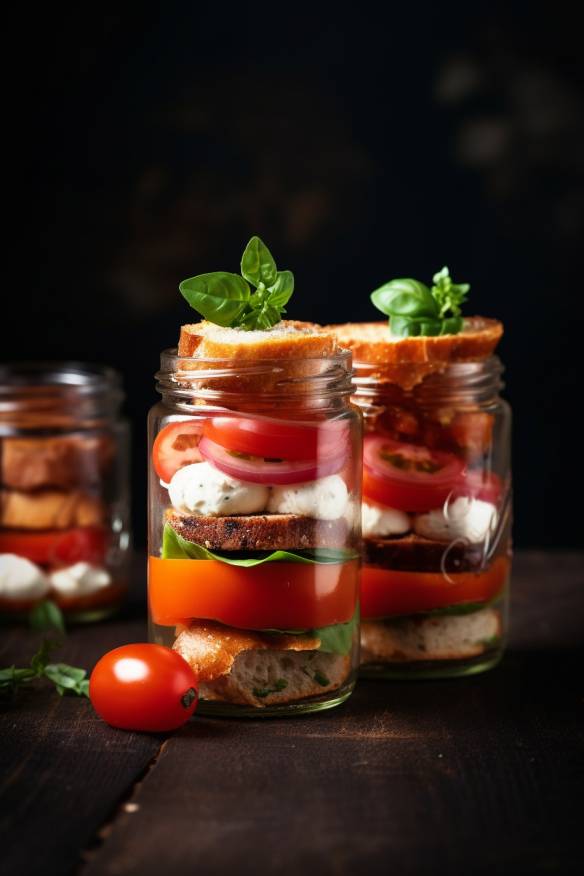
column 54, row 376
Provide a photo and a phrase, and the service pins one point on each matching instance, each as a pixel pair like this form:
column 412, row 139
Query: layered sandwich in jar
column 436, row 508
column 63, row 489
column 254, row 501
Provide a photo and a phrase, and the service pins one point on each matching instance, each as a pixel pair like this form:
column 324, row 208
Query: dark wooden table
column 477, row 775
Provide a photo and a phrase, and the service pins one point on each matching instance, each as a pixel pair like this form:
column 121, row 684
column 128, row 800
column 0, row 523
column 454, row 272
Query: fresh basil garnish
column 227, row 300
column 175, row 547
column 415, row 310
column 64, row 677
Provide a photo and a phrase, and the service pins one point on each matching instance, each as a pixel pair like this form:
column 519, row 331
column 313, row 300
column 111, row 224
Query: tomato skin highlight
column 176, row 445
column 390, row 593
column 56, row 547
column 269, row 438
column 408, row 487
column 143, row 687
column 282, row 596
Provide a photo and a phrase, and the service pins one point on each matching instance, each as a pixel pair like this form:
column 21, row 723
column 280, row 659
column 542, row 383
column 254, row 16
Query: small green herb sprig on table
column 227, row 299
column 415, row 310
column 67, row 679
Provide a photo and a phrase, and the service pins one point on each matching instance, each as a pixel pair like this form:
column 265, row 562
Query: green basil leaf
column 175, row 547
column 452, row 325
column 281, row 290
column 11, row 677
column 66, row 677
column 404, row 297
column 338, row 638
column 262, row 318
column 219, row 297
column 42, row 656
column 46, row 616
column 414, row 326
column 257, row 263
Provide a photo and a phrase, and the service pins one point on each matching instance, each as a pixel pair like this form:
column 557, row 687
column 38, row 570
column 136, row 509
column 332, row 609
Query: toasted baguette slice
column 49, row 509
column 255, row 669
column 260, row 532
column 286, row 340
column 414, row 639
column 414, row 553
column 64, row 462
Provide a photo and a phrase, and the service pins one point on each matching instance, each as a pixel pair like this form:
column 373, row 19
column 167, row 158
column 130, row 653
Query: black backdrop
column 359, row 146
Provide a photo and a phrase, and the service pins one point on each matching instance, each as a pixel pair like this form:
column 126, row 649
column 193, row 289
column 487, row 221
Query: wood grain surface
column 477, row 775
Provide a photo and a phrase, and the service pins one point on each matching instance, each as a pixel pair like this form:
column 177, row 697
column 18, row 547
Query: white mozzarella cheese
column 203, row 490
column 21, row 579
column 325, row 499
column 382, row 521
column 467, row 518
column 80, row 579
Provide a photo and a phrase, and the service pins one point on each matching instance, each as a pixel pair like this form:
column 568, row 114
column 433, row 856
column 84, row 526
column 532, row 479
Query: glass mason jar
column 434, row 590
column 64, row 531
column 254, row 529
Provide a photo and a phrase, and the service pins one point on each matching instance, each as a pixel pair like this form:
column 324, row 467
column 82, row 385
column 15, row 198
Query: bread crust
column 206, row 340
column 260, row 532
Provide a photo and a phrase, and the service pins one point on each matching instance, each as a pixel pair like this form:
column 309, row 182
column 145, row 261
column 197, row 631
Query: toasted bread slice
column 414, row 553
column 288, row 339
column 408, row 361
column 256, row 669
column 49, row 509
column 414, row 639
column 260, row 532
column 64, row 462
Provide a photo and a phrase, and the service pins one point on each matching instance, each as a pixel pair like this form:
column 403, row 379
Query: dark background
column 360, row 146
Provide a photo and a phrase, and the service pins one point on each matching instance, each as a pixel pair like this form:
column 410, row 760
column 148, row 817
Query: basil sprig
column 416, row 310
column 227, row 299
column 175, row 547
column 67, row 679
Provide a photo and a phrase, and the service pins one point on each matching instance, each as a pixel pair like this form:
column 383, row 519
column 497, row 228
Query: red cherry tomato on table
column 176, row 445
column 406, row 476
column 279, row 439
column 143, row 687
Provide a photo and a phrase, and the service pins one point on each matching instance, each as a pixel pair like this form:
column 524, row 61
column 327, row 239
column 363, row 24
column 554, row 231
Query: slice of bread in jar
column 413, row 639
column 260, row 532
column 63, row 462
column 257, row 669
column 49, row 509
column 415, row 553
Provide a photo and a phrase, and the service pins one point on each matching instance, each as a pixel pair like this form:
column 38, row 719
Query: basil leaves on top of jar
column 436, row 483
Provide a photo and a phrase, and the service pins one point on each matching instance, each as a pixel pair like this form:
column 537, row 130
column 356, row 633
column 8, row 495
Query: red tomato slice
column 176, row 445
column 406, row 476
column 56, row 547
column 388, row 593
column 281, row 596
column 258, row 470
column 269, row 438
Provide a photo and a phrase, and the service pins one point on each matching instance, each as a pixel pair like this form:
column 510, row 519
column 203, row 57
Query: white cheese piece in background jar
column 81, row 579
column 202, row 489
column 325, row 499
column 380, row 521
column 21, row 579
column 467, row 518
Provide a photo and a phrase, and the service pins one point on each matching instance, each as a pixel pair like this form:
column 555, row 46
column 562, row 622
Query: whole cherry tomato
column 143, row 687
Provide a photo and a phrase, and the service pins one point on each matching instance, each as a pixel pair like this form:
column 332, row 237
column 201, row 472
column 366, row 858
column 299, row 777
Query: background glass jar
column 63, row 489
column 254, row 528
column 436, row 520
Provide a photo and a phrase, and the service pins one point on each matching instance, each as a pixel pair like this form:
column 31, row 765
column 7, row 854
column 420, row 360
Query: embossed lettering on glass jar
column 436, row 518
column 64, row 530
column 254, row 529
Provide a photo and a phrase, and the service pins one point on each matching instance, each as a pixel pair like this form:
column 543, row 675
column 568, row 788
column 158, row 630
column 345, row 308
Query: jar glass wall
column 254, row 529
column 64, row 531
column 436, row 520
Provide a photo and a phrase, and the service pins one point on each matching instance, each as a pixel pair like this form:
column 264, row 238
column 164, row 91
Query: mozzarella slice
column 467, row 518
column 325, row 499
column 21, row 579
column 382, row 521
column 79, row 580
column 203, row 490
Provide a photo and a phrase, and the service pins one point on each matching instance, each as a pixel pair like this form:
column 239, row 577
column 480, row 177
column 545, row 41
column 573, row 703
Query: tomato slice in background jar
column 279, row 595
column 259, row 470
column 270, row 438
column 56, row 547
column 176, row 445
column 406, row 476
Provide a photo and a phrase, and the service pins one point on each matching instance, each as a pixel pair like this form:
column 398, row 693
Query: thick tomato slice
column 259, row 470
column 177, row 444
column 278, row 439
column 406, row 476
column 387, row 593
column 56, row 547
column 282, row 596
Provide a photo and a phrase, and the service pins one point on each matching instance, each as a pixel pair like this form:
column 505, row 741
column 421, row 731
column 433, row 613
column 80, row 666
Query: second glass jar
column 254, row 530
